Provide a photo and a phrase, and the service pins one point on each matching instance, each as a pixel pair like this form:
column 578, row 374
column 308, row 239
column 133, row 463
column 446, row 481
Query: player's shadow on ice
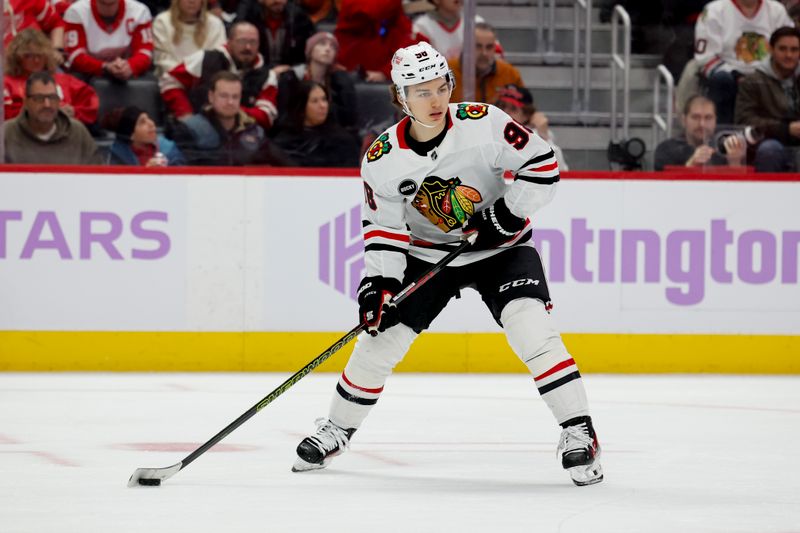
column 438, row 484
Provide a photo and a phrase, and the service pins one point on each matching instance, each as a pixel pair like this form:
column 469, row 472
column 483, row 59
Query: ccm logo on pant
column 518, row 283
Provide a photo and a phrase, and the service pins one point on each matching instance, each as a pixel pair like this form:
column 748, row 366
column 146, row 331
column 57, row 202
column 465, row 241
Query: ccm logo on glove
column 375, row 307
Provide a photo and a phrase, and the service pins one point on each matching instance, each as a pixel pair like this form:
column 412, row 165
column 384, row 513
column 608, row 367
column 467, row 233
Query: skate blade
column 305, row 466
column 583, row 476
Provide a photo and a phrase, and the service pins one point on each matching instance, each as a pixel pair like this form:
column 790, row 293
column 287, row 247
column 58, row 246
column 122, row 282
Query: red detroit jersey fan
column 89, row 41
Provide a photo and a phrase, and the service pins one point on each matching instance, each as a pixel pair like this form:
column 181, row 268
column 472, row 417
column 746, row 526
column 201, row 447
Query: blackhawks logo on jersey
column 446, row 203
column 379, row 147
column 472, row 111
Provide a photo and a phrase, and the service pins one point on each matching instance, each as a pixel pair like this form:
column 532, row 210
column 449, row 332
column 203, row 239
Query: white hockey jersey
column 89, row 40
column 418, row 204
column 727, row 40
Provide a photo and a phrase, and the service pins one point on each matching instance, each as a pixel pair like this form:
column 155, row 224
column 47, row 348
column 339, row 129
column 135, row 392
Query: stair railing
column 663, row 123
column 621, row 63
column 582, row 21
column 547, row 46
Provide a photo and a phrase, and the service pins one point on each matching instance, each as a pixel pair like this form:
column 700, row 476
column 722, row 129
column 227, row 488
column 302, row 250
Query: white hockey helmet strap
column 417, row 64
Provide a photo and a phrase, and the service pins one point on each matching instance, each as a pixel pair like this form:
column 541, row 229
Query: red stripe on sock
column 560, row 366
column 371, row 391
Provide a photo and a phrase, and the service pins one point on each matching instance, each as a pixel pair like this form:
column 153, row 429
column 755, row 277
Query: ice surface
column 452, row 453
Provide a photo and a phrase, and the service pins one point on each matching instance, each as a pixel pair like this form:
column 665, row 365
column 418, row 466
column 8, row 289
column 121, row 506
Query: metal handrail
column 659, row 122
column 585, row 7
column 547, row 46
column 624, row 63
column 468, row 54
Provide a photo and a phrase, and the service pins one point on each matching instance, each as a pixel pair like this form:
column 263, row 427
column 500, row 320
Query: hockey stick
column 154, row 476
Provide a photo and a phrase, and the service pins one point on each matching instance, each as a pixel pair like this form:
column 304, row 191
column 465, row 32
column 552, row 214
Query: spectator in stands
column 790, row 6
column 321, row 67
column 222, row 134
column 184, row 89
column 680, row 17
column 43, row 134
column 36, row 15
column 156, row 6
column 111, row 37
column 518, row 103
column 30, row 51
column 769, row 99
column 491, row 72
column 321, row 10
column 309, row 136
column 284, row 30
column 369, row 31
column 730, row 38
column 696, row 147
column 137, row 141
column 443, row 27
column 183, row 30
column 61, row 6
column 224, row 9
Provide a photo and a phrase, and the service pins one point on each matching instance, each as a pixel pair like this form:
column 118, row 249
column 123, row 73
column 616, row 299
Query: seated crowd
column 738, row 95
column 260, row 82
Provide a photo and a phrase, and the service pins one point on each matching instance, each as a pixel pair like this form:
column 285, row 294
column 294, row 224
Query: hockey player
column 429, row 180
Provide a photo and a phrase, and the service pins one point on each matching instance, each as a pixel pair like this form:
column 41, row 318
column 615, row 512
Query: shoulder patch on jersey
column 446, row 203
column 380, row 147
column 407, row 187
column 472, row 111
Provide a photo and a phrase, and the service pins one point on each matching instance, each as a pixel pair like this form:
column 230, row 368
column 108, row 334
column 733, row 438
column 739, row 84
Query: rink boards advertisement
column 211, row 271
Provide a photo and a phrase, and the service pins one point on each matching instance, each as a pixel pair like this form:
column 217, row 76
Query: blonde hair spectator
column 28, row 41
column 29, row 52
column 186, row 27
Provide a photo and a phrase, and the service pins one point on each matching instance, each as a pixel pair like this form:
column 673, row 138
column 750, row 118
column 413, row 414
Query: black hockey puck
column 149, row 482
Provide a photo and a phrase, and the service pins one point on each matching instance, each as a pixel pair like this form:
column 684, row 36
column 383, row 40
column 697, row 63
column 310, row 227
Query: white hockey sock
column 530, row 333
column 361, row 383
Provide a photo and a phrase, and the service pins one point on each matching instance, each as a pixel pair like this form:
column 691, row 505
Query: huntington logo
column 341, row 252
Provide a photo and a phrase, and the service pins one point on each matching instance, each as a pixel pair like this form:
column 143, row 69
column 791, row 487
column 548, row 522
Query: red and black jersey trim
column 539, row 181
column 385, row 248
column 434, row 246
column 537, row 159
column 525, row 237
column 450, row 247
column 385, row 240
column 383, row 234
column 528, row 171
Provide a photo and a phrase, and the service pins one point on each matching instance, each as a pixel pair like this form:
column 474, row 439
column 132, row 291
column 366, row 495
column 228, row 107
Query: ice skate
column 580, row 451
column 318, row 450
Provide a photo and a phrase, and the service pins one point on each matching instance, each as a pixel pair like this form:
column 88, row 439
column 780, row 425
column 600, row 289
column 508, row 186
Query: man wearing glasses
column 184, row 89
column 43, row 134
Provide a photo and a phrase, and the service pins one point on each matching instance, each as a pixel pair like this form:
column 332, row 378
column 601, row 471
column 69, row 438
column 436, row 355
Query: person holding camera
column 697, row 148
column 730, row 38
column 769, row 100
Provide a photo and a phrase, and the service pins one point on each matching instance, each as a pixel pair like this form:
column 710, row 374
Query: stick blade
column 152, row 477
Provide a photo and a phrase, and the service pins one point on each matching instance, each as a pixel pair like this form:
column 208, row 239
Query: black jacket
column 341, row 88
column 292, row 36
column 214, row 61
column 327, row 145
column 204, row 142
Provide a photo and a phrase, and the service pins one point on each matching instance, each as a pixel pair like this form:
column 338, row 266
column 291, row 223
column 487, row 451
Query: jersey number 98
column 516, row 135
